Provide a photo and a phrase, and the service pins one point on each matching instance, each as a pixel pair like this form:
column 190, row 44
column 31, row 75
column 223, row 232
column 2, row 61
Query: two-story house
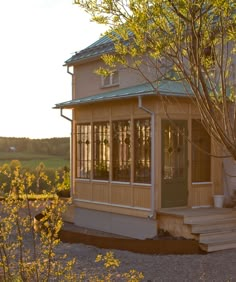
column 134, row 152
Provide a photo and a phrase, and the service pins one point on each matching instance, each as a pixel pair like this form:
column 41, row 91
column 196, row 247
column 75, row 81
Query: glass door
column 174, row 163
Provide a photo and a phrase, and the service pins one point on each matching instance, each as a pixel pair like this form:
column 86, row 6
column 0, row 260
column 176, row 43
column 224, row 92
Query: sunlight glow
column 36, row 38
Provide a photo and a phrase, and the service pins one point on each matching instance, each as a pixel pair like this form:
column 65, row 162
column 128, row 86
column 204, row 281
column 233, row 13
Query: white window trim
column 110, row 80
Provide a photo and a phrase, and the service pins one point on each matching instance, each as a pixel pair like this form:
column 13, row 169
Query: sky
column 37, row 37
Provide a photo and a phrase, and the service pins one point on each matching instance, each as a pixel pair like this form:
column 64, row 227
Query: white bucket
column 218, row 201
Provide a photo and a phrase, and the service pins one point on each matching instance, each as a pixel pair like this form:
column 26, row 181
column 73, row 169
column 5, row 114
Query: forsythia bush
column 111, row 271
column 59, row 178
column 28, row 250
column 27, row 255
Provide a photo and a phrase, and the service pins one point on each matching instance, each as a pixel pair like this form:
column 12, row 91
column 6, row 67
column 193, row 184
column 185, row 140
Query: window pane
column 174, row 146
column 115, row 78
column 142, row 151
column 121, row 158
column 201, row 161
column 83, row 150
column 101, row 150
column 106, row 80
column 111, row 79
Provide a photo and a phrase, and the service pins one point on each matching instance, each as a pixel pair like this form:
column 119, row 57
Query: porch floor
column 185, row 211
column 213, row 228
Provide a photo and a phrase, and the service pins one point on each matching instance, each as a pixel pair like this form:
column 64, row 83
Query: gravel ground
column 217, row 266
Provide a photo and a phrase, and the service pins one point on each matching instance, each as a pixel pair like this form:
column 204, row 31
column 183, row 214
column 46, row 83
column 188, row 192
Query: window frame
column 121, row 155
column 145, row 178
column 111, row 77
column 122, row 170
column 101, row 151
column 83, row 164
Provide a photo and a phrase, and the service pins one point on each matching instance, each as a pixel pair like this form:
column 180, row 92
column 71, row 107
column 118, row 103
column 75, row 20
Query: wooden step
column 216, row 236
column 210, row 217
column 218, row 245
column 214, row 226
column 214, row 229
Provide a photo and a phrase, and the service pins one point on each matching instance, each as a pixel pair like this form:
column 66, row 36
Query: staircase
column 213, row 228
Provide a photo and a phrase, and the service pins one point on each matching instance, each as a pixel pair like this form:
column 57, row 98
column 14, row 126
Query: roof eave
column 82, row 61
column 78, row 103
column 70, row 104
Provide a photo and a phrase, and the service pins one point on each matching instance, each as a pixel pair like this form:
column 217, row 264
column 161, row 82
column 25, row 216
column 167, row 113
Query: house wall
column 88, row 83
column 116, row 223
column 201, row 194
column 135, row 199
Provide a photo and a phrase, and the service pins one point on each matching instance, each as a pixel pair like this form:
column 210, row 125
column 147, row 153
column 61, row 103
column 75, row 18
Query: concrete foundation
column 129, row 226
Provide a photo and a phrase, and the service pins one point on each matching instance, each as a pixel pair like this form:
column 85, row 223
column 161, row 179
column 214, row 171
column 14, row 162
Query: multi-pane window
column 101, row 150
column 201, row 148
column 83, row 150
column 94, row 145
column 121, row 157
column 111, row 79
column 142, row 151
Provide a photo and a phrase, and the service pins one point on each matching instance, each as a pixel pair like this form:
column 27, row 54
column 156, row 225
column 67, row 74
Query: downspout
column 140, row 105
column 71, row 140
column 62, row 115
column 68, row 70
column 71, row 143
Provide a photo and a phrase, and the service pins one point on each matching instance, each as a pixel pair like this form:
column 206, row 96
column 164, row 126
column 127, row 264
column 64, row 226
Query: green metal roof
column 99, row 47
column 104, row 45
column 167, row 88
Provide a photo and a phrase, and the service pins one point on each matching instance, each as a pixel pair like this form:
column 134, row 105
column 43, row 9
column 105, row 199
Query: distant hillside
column 49, row 146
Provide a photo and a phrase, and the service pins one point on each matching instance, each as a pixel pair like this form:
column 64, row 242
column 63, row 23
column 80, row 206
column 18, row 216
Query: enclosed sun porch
column 135, row 153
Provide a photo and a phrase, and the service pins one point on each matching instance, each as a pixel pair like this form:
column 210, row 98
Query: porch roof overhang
column 165, row 88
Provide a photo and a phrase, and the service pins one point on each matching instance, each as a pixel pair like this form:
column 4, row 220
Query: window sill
column 100, row 180
column 142, row 184
column 202, row 183
column 110, row 85
column 125, row 182
column 121, row 182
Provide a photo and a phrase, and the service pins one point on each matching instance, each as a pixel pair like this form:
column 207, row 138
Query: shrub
column 43, row 178
column 26, row 255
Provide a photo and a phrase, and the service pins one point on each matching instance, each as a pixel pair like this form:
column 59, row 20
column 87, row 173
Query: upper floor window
column 111, row 79
column 201, row 148
column 83, row 150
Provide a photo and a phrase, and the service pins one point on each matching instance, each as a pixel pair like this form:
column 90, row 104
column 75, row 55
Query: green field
column 30, row 160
